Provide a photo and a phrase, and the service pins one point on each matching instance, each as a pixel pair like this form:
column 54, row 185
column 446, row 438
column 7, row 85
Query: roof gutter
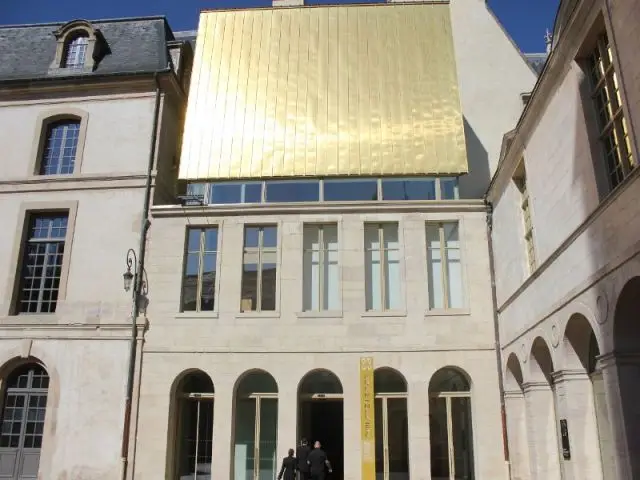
column 139, row 283
column 82, row 78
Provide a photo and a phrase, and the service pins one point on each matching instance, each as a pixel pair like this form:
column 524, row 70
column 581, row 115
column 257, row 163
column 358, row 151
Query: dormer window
column 76, row 51
column 80, row 47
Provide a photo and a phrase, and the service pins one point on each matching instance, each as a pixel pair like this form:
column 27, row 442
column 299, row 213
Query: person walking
column 289, row 467
column 302, row 454
column 317, row 461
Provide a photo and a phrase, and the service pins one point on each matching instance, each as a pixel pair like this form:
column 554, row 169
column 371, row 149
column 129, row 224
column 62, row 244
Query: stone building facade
column 265, row 302
column 565, row 242
column 90, row 112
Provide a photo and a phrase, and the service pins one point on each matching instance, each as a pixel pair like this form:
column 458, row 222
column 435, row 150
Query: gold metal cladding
column 324, row 91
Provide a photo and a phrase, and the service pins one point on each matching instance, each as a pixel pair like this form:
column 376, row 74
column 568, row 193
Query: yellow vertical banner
column 367, row 419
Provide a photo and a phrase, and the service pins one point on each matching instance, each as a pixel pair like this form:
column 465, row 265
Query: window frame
column 521, row 182
column 260, row 250
column 43, row 122
column 379, row 225
column 27, row 209
column 77, row 63
column 201, row 253
column 322, row 260
column 444, row 259
column 95, row 50
column 600, row 58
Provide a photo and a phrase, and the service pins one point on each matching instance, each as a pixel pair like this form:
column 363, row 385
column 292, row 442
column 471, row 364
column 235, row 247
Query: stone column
column 620, row 375
column 541, row 431
column 287, row 417
column 517, row 435
column 574, row 401
column 419, row 440
column 223, row 424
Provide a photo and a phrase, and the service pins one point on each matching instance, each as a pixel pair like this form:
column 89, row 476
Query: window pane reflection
column 403, row 189
column 308, row 191
column 449, row 188
column 350, row 190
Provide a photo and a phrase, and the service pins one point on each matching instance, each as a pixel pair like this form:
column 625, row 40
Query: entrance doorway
column 256, row 427
column 392, row 430
column 450, row 426
column 321, row 416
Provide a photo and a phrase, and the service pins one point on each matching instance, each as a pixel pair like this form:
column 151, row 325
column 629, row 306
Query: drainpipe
column 139, row 284
column 496, row 333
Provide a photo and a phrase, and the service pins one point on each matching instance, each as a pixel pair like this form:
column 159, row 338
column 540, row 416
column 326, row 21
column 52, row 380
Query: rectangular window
column 259, row 268
column 42, row 263
column 520, row 179
column 614, row 134
column 444, row 267
column 320, row 271
column 382, row 264
column 199, row 280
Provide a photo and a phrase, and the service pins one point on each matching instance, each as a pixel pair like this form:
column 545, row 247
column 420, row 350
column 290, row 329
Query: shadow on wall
column 475, row 183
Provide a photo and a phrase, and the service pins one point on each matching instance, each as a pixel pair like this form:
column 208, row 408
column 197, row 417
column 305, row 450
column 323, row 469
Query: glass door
column 451, row 437
column 392, row 450
column 256, row 437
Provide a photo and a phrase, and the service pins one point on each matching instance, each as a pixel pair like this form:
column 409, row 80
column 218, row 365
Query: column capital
column 513, row 394
column 615, row 358
column 569, row 374
column 535, row 386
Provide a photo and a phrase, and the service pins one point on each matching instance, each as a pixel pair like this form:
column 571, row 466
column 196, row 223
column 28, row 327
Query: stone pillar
column 352, row 432
column 223, row 424
column 287, row 418
column 541, row 431
column 419, row 440
column 517, row 435
column 620, row 375
column 574, row 401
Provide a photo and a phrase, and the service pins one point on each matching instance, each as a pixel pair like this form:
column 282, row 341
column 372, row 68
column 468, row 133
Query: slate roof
column 537, row 61
column 136, row 45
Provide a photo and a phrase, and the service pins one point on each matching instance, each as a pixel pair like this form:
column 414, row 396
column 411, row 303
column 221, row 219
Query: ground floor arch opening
column 23, row 409
column 321, row 415
column 391, row 425
column 255, row 429
column 626, row 355
column 451, row 426
column 193, row 416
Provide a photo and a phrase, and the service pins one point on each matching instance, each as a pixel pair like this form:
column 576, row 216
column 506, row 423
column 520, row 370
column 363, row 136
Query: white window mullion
column 321, row 266
column 443, row 266
column 199, row 278
column 383, row 268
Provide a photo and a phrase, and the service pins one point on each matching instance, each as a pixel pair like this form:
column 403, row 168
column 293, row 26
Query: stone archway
column 625, row 415
column 515, row 408
column 581, row 402
column 540, row 400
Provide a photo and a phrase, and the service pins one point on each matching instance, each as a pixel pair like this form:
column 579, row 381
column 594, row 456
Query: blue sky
column 525, row 20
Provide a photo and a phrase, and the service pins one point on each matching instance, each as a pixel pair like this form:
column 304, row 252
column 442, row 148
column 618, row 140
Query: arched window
column 321, row 415
column 392, row 428
column 450, row 426
column 194, row 440
column 61, row 144
column 22, row 423
column 75, row 50
column 256, row 426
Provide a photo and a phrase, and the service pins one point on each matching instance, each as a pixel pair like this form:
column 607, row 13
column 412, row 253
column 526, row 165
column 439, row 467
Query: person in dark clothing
column 317, row 461
column 289, row 467
column 302, row 454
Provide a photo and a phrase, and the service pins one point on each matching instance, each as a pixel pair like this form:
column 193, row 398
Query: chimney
column 287, row 3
